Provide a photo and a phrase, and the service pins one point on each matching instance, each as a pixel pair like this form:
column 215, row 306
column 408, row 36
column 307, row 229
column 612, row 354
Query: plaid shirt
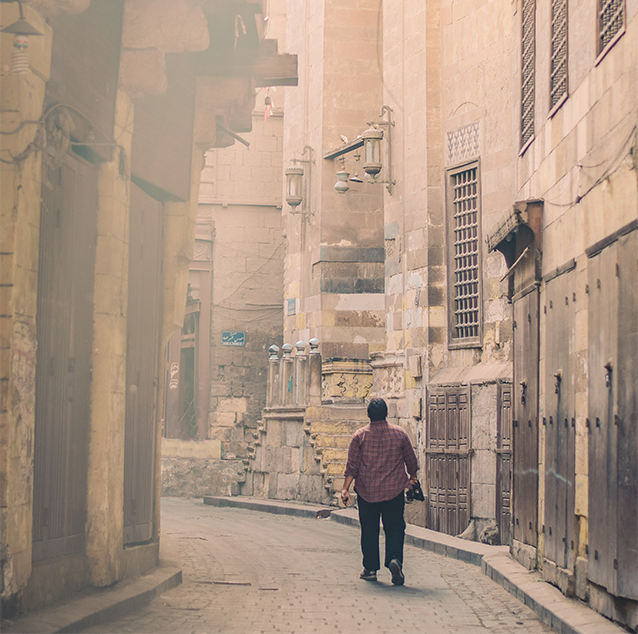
column 377, row 459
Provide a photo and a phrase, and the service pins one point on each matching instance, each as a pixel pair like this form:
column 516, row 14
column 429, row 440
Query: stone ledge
column 269, row 506
column 98, row 608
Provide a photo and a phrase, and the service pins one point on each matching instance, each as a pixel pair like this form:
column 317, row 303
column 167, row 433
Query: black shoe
column 398, row 579
column 368, row 575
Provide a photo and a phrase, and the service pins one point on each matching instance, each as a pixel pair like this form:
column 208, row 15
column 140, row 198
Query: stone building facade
column 104, row 127
column 234, row 308
column 505, row 337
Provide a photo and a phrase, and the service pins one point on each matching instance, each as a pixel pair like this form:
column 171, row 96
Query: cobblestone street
column 251, row 572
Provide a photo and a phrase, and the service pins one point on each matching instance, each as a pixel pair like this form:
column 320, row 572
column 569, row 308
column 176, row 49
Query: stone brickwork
column 300, row 453
column 333, row 279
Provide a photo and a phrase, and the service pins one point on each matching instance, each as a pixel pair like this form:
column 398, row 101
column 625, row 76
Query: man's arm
column 352, row 468
column 410, row 460
column 345, row 493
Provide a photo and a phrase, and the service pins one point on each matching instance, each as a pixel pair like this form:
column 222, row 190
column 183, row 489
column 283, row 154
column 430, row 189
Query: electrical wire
column 612, row 169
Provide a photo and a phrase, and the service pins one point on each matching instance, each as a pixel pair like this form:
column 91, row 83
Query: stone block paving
column 249, row 572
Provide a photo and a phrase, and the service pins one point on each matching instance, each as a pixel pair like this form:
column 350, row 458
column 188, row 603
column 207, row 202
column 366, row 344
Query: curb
column 276, row 508
column 564, row 615
column 99, row 608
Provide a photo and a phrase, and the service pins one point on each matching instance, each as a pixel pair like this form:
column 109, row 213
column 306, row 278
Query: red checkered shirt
column 378, row 456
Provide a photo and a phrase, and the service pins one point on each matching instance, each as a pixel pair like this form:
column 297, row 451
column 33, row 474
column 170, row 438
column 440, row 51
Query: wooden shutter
column 144, row 319
column 68, row 230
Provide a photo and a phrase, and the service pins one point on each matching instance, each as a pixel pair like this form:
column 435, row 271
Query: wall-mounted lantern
column 372, row 161
column 377, row 155
column 294, row 185
column 341, row 186
column 297, row 187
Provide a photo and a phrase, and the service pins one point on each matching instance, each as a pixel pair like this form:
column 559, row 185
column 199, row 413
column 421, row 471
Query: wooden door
column 448, row 460
column 68, row 231
column 613, row 417
column 525, row 418
column 504, row 463
column 142, row 364
column 560, row 304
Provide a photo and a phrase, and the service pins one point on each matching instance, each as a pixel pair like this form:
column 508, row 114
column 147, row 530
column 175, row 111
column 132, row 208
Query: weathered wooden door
column 525, row 417
column 142, row 365
column 68, row 230
column 504, row 463
column 448, row 460
column 560, row 305
column 613, row 416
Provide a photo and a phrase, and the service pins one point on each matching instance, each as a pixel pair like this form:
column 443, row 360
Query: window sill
column 464, row 344
column 558, row 106
column 611, row 44
column 526, row 145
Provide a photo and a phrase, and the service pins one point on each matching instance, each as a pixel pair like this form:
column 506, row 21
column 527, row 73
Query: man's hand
column 345, row 497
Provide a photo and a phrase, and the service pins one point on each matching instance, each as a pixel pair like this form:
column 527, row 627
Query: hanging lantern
column 21, row 30
column 372, row 151
column 341, row 186
column 294, row 185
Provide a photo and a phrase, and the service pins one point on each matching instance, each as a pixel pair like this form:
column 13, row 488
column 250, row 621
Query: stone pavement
column 284, row 570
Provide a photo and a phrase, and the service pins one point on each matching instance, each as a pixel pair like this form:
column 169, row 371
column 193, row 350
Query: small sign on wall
column 233, row 338
column 292, row 307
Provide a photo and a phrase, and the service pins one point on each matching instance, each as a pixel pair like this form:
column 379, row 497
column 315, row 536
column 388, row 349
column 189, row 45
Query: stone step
column 335, row 427
column 333, row 440
column 334, row 468
column 332, row 454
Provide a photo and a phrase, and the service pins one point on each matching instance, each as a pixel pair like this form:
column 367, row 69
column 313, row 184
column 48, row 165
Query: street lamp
column 298, row 188
column 372, row 162
column 21, row 30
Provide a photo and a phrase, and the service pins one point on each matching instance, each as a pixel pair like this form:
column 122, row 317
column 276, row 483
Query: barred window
column 465, row 295
column 611, row 19
column 558, row 78
column 527, row 70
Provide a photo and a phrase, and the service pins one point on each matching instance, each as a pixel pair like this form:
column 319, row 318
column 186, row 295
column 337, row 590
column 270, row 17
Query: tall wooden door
column 613, row 417
column 560, row 304
column 448, row 460
column 68, row 230
column 504, row 463
column 142, row 364
column 525, row 418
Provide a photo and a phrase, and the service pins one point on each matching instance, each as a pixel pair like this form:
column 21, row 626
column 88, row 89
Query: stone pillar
column 314, row 374
column 301, row 375
column 105, row 520
column 287, row 368
column 272, row 396
column 21, row 191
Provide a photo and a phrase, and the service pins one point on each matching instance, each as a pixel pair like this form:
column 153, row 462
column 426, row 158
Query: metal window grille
column 464, row 187
column 527, row 70
column 558, row 78
column 611, row 18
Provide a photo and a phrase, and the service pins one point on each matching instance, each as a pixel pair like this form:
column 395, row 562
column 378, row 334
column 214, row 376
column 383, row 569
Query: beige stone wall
column 20, row 192
column 339, row 91
column 240, row 197
column 447, row 71
column 579, row 163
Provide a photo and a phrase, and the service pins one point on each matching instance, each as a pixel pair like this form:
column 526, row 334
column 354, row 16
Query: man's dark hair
column 377, row 409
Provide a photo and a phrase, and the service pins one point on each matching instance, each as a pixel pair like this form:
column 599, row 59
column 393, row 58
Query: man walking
column 378, row 457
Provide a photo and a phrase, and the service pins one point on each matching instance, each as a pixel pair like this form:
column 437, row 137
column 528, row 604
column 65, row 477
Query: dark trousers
column 391, row 511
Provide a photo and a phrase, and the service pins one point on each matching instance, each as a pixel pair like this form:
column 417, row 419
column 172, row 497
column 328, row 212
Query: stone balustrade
column 294, row 380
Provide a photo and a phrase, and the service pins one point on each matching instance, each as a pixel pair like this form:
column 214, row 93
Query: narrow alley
column 246, row 571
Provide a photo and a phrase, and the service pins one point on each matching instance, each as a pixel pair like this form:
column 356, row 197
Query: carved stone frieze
column 347, row 380
column 388, row 375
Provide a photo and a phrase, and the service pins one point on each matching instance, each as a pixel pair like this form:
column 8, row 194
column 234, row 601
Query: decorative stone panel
column 462, row 144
